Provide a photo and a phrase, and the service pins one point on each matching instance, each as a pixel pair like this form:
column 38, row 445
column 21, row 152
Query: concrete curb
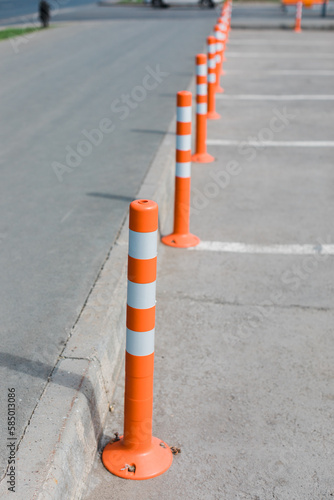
column 58, row 448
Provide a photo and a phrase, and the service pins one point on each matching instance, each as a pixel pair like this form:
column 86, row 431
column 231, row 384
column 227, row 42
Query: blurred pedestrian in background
column 44, row 13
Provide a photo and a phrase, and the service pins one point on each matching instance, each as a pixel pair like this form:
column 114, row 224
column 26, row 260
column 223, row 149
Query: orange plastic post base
column 202, row 158
column 297, row 30
column 219, row 90
column 181, row 240
column 130, row 463
column 213, row 115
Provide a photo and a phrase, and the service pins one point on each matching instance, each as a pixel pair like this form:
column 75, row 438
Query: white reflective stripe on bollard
column 141, row 295
column 140, row 343
column 183, row 142
column 211, row 64
column 201, row 70
column 201, row 89
column 201, row 108
column 183, row 169
column 143, row 245
column 183, row 114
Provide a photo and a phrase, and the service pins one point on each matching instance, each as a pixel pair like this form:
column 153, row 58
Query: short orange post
column 298, row 24
column 219, row 56
column 181, row 237
column 138, row 455
column 212, row 114
column 201, row 155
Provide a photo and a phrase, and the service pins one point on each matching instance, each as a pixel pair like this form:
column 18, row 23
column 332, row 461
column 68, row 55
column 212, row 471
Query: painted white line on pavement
column 286, row 72
column 260, row 41
column 264, row 97
column 275, row 55
column 233, row 247
column 289, row 144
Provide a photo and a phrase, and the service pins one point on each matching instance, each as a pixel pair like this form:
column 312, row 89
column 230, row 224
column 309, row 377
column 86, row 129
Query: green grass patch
column 12, row 32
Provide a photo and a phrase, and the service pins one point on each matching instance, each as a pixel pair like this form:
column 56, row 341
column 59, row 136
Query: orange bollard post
column 298, row 23
column 212, row 114
column 219, row 57
column 226, row 15
column 138, row 455
column 221, row 23
column 201, row 155
column 181, row 237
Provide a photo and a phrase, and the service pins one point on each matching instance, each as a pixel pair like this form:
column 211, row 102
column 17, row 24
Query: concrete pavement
column 64, row 198
column 248, row 334
column 244, row 336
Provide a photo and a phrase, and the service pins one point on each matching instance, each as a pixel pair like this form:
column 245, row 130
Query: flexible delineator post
column 222, row 25
column 299, row 10
column 181, row 237
column 212, row 114
column 139, row 455
column 219, row 56
column 226, row 15
column 201, row 155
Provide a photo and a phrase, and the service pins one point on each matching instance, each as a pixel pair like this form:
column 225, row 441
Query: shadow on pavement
column 112, row 196
column 70, row 380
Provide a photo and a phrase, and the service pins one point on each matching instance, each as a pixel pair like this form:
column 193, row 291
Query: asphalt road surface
column 65, row 190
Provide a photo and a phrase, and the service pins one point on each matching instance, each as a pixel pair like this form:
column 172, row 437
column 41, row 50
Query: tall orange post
column 298, row 23
column 201, row 155
column 138, row 455
column 222, row 25
column 181, row 237
column 226, row 14
column 219, row 56
column 212, row 114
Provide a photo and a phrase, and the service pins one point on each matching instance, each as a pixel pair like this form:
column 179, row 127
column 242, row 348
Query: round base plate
column 130, row 463
column 202, row 158
column 181, row 240
column 213, row 116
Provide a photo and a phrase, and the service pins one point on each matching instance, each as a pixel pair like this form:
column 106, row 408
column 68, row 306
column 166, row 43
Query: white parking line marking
column 262, row 144
column 278, row 55
column 263, row 97
column 233, row 247
column 260, row 41
column 286, row 72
